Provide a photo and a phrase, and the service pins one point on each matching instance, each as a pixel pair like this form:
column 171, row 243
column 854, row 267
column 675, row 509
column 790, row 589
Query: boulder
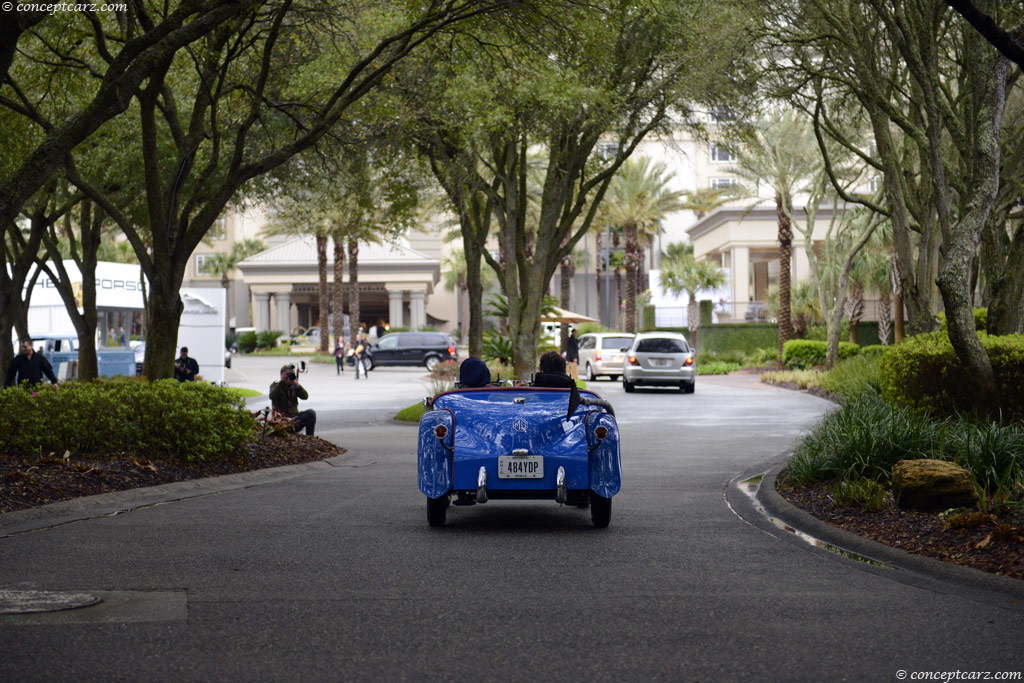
column 932, row 485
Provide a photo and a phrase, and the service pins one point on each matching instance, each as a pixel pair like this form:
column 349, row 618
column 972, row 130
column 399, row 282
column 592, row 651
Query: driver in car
column 285, row 395
column 552, row 372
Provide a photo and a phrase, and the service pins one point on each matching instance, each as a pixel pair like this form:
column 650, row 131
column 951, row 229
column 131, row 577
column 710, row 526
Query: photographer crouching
column 285, row 395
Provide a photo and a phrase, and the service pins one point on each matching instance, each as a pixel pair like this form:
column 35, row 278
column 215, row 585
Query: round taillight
column 440, row 431
column 601, row 433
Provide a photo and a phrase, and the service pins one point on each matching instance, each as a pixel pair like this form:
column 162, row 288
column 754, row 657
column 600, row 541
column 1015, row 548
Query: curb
column 117, row 502
column 979, row 585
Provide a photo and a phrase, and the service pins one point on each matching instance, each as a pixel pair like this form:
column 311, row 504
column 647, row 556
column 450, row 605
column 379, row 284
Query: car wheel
column 600, row 510
column 368, row 363
column 437, row 509
column 627, row 385
column 431, row 362
column 591, row 377
column 688, row 387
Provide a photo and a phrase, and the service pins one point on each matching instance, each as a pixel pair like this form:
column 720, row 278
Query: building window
column 204, row 264
column 219, row 229
column 723, row 183
column 719, row 153
column 874, row 183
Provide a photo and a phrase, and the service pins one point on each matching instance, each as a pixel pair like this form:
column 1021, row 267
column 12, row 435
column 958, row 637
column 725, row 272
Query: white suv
column 601, row 353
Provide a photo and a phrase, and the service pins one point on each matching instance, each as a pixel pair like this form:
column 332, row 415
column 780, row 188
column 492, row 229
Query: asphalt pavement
column 330, row 572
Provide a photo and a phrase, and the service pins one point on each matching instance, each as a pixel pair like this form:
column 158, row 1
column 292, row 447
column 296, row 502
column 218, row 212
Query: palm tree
column 683, row 273
column 706, row 199
column 782, row 154
column 637, row 198
column 224, row 262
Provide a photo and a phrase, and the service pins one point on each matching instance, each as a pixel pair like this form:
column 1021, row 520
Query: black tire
column 600, row 510
column 627, row 385
column 431, row 362
column 368, row 363
column 688, row 387
column 437, row 509
column 591, row 377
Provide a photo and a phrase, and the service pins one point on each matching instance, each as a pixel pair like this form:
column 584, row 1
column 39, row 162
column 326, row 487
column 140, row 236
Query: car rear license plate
column 660, row 362
column 520, row 467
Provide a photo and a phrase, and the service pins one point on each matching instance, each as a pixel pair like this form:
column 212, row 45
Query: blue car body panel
column 493, row 422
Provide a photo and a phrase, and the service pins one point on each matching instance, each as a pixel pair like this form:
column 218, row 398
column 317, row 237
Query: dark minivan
column 412, row 348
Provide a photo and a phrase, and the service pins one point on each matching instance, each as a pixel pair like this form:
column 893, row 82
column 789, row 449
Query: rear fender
column 435, row 455
column 603, row 459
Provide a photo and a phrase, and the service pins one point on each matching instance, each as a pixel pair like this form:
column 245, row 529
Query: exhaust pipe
column 481, row 486
column 560, row 494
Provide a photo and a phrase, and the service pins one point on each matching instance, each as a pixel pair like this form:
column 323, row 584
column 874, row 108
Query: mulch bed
column 30, row 481
column 995, row 545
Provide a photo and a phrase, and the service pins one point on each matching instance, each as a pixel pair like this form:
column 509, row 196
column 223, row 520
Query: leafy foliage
column 925, row 373
column 162, row 419
column 803, row 353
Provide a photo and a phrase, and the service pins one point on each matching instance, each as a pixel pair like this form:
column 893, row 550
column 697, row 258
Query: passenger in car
column 552, row 372
column 474, row 373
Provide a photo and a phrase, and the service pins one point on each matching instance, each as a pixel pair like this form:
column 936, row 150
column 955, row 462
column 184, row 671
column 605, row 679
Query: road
column 333, row 573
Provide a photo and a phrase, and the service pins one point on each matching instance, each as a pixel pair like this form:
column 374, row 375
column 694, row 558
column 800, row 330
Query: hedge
column 924, row 373
column 801, row 354
column 162, row 419
column 725, row 337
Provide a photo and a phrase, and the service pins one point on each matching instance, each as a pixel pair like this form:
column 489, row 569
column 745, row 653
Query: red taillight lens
column 601, row 433
column 633, row 360
column 451, row 351
column 688, row 361
column 597, row 356
column 440, row 431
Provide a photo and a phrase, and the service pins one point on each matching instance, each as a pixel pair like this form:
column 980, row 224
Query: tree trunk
column 1006, row 305
column 163, row 316
column 782, row 204
column 884, row 319
column 693, row 319
column 632, row 257
column 475, row 294
column 898, row 328
column 324, row 293
column 338, row 328
column 18, row 259
column 855, row 311
column 353, row 288
column 986, row 84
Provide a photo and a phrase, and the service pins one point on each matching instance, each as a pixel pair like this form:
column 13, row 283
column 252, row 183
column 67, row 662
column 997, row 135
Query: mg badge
column 520, row 425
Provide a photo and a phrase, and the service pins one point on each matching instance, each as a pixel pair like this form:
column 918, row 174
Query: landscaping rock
column 932, row 485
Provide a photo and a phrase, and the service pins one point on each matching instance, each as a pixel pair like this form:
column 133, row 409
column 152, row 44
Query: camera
column 292, row 376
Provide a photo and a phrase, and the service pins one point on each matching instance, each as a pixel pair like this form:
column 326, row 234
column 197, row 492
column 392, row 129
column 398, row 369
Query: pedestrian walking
column 359, row 352
column 185, row 368
column 29, row 366
column 339, row 356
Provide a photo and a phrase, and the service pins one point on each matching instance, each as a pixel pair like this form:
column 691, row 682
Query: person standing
column 285, row 395
column 572, row 348
column 339, row 356
column 123, row 337
column 359, row 352
column 185, row 368
column 29, row 366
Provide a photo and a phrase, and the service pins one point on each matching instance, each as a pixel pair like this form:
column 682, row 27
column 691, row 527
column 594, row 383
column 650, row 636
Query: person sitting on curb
column 285, row 395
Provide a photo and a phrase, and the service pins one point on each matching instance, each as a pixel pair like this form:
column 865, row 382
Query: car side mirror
column 624, row 349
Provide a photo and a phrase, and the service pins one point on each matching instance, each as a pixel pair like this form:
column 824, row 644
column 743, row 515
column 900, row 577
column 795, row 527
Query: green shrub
column 980, row 320
column 163, row 419
column 807, row 353
column 587, row 328
column 267, row 339
column 497, row 347
column 247, row 342
column 853, row 376
column 874, row 350
column 924, row 373
column 864, row 438
column 717, row 367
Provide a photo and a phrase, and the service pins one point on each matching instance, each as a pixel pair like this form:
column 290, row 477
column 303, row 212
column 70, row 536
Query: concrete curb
column 980, row 585
column 108, row 504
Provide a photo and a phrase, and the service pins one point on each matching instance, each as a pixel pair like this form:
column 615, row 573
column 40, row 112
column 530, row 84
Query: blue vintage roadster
column 520, row 442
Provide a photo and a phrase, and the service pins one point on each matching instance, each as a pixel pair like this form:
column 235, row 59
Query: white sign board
column 202, row 330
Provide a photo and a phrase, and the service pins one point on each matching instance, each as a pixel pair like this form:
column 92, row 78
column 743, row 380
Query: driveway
column 332, row 573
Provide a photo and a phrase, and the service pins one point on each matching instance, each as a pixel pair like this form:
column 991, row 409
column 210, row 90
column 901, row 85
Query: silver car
column 660, row 359
column 601, row 353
